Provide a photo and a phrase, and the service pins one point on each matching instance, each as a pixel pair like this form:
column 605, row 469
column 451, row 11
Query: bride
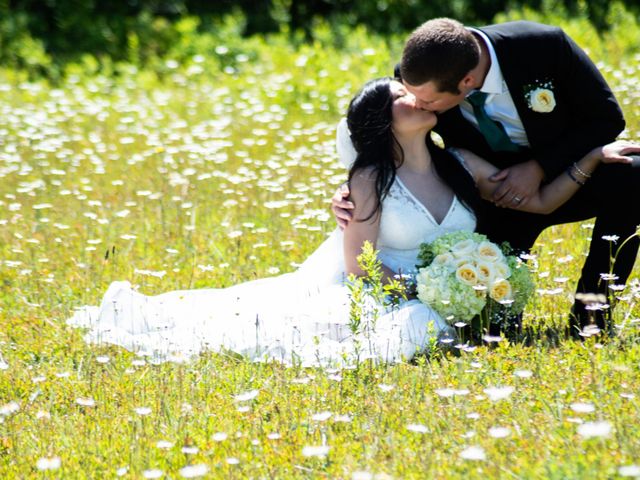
column 406, row 191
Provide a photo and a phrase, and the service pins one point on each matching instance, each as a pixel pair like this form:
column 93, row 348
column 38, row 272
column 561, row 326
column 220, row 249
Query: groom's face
column 429, row 97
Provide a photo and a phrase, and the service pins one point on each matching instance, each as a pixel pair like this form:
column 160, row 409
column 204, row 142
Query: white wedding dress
column 298, row 317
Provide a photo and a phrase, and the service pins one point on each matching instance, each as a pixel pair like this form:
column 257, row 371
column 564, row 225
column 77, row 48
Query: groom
column 528, row 99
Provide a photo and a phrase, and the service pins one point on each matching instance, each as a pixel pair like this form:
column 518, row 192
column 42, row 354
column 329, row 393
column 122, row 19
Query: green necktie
column 493, row 131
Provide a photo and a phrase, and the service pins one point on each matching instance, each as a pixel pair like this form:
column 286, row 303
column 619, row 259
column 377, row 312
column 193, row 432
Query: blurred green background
column 41, row 36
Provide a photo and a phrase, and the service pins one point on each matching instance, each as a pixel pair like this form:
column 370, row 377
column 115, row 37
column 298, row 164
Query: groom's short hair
column 441, row 50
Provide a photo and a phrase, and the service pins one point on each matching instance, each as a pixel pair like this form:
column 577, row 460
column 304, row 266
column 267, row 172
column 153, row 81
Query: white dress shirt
column 499, row 104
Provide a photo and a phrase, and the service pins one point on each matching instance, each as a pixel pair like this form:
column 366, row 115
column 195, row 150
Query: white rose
column 458, row 262
column 489, row 252
column 502, row 270
column 467, row 274
column 500, row 290
column 463, row 249
column 542, row 100
column 445, row 259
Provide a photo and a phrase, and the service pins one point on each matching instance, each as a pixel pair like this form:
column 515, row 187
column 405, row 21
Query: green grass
column 216, row 178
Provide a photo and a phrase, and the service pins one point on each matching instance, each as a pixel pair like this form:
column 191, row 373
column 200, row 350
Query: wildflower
column 386, row 388
column 361, row 475
column 245, row 397
column 233, row 461
column 273, row 436
column 143, row 411
column 219, row 437
column 342, row 418
column 153, row 473
column 492, row 338
column 499, row 432
column 473, row 453
column 86, row 402
column 189, row 450
column 417, row 427
column 608, row 277
column 629, row 471
column 164, row 445
column 316, row 451
column 450, row 392
column 498, row 393
column 595, row 429
column 122, row 471
column 580, row 407
column 322, row 416
column 611, row 238
column 523, row 373
column 52, row 463
column 150, row 273
column 193, row 471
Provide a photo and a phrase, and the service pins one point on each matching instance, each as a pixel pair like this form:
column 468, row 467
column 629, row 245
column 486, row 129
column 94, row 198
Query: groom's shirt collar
column 499, row 104
column 494, row 81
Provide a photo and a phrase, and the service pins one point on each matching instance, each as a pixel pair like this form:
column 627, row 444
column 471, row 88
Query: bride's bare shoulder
column 363, row 178
column 362, row 186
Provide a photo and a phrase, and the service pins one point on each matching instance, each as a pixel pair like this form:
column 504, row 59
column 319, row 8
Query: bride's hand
column 341, row 206
column 617, row 151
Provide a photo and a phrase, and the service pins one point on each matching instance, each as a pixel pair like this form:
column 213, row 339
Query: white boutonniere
column 540, row 97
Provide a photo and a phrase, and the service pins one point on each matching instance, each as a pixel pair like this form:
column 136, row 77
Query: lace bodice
column 406, row 223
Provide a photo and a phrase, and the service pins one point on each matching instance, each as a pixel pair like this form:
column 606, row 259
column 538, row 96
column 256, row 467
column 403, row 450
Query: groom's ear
column 467, row 83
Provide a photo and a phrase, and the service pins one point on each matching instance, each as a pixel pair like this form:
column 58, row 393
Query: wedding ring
column 517, row 199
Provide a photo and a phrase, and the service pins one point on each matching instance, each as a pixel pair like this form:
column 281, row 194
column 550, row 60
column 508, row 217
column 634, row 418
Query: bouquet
column 463, row 275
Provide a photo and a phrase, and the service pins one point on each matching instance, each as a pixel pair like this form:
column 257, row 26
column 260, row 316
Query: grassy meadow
column 216, row 166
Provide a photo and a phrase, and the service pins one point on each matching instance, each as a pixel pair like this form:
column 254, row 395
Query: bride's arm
column 358, row 230
column 550, row 196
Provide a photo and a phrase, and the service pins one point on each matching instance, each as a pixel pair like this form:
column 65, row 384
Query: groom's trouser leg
column 612, row 196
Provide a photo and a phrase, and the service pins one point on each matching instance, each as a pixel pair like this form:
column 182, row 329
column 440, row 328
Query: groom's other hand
column 341, row 206
column 517, row 184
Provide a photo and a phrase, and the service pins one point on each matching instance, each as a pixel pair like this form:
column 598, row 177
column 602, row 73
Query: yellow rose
column 467, row 274
column 486, row 272
column 500, row 290
column 542, row 100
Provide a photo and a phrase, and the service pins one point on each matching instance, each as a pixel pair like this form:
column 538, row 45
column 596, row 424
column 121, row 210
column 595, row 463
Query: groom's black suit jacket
column 586, row 113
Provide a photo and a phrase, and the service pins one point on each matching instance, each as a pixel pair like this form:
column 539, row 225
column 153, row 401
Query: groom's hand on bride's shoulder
column 341, row 206
column 517, row 184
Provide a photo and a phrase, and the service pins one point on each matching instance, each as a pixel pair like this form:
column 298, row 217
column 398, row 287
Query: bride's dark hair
column 369, row 119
